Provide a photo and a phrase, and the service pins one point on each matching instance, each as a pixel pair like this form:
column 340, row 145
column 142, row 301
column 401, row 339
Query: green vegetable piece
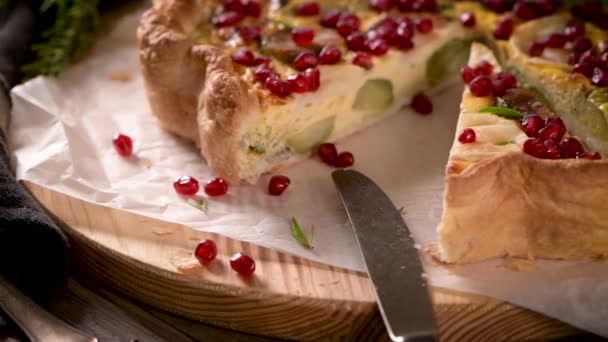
column 506, row 113
column 198, row 204
column 375, row 96
column 311, row 136
column 504, row 142
column 448, row 59
column 298, row 234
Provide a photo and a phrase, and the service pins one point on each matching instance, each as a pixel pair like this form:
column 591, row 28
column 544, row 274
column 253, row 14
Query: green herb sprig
column 506, row 113
column 298, row 234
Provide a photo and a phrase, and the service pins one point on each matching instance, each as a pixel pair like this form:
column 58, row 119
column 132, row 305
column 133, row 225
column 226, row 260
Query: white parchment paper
column 61, row 138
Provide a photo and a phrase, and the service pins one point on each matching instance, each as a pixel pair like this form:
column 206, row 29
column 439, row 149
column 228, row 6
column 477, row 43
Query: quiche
column 259, row 85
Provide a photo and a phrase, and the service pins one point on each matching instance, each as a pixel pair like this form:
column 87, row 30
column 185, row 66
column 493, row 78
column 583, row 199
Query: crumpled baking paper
column 61, row 138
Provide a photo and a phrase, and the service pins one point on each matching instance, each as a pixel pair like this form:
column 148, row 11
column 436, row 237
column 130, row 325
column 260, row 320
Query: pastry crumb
column 121, row 76
column 161, row 233
column 519, row 265
column 147, row 163
column 185, row 262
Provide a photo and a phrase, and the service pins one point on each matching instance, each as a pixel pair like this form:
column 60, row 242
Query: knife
column 390, row 256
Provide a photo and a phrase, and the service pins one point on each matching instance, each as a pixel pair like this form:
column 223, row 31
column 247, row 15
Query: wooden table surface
column 111, row 316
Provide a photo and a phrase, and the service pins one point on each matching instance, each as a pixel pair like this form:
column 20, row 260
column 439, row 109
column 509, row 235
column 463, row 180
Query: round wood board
column 288, row 297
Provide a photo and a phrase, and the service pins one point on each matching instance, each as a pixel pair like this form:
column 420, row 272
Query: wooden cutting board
column 288, row 297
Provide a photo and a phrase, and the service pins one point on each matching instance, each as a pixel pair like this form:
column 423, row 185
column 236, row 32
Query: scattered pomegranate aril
column 382, row 5
column 123, row 145
column 242, row 264
column 328, row 153
column 330, row 55
column 428, row 5
column 504, row 81
column 555, row 121
column 599, row 77
column 422, row 104
column 508, row 78
column 536, row 49
column 356, row 42
column 406, row 45
column 535, row 148
column 377, row 46
column 302, row 36
column 467, row 73
column 405, row 30
column 363, row 59
column 186, row 185
column 277, row 185
column 228, row 19
column 551, row 132
column 532, row 124
column 584, row 68
column 206, row 251
column 498, row 6
column 556, row 40
column 234, row 6
column 484, row 68
column 581, row 43
column 344, row 159
column 572, row 147
column 313, row 77
column 589, row 56
column 305, row 60
column 603, row 60
column 554, row 150
column 299, row 84
column 424, row 25
column 526, row 10
column 308, row 9
column 330, row 19
column 216, row 187
column 244, row 57
column 262, row 73
column 407, row 5
column 504, row 29
column 589, row 155
column 481, row 86
column 467, row 136
column 467, row 19
column 262, row 60
column 253, row 8
column 250, row 33
column 574, row 29
column 347, row 24
column 587, row 10
column 278, row 87
column 574, row 57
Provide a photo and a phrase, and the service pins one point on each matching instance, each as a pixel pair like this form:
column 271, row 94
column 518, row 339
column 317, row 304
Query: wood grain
column 288, row 297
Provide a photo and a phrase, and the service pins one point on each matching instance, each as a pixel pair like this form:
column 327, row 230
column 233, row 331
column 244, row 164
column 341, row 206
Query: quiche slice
column 517, row 183
column 256, row 91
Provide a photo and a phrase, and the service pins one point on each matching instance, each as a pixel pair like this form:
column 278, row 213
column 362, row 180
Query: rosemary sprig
column 298, row 234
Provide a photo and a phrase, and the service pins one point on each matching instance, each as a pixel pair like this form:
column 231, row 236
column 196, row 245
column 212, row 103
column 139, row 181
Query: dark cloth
column 33, row 251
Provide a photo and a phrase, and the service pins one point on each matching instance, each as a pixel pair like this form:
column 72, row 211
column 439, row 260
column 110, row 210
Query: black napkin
column 33, row 251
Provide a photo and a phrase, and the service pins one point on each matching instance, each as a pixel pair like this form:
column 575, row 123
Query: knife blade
column 390, row 256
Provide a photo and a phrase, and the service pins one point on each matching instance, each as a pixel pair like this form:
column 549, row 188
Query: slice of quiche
column 517, row 182
column 259, row 85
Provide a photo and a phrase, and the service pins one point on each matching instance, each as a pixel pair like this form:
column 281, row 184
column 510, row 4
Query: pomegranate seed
column 524, row 10
column 216, row 187
column 242, row 264
column 554, row 150
column 422, row 104
column 302, row 36
column 535, row 148
column 347, row 24
column 484, row 68
column 574, row 57
column 405, row 30
column 278, row 87
column 481, row 86
column 467, row 73
column 186, row 185
column 581, row 44
column 603, row 60
column 574, row 29
column 244, row 57
column 587, row 10
column 299, row 84
column 600, row 77
column 377, row 46
column 313, row 77
column 588, row 56
column 262, row 60
column 277, row 185
column 330, row 55
column 536, row 49
column 424, row 25
column 589, row 155
column 253, row 9
column 228, row 19
column 551, row 132
column 572, row 147
column 504, row 81
column 498, row 6
column 555, row 121
column 584, row 68
column 328, row 153
column 508, row 78
column 363, row 60
column 406, row 5
column 234, row 6
column 406, row 45
column 249, row 33
column 382, row 5
column 467, row 19
column 503, row 29
column 123, row 145
column 356, row 42
column 330, row 20
column 467, row 136
column 344, row 159
column 305, row 60
column 262, row 73
column 532, row 124
column 308, row 9
column 428, row 5
column 206, row 251
column 556, row 40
